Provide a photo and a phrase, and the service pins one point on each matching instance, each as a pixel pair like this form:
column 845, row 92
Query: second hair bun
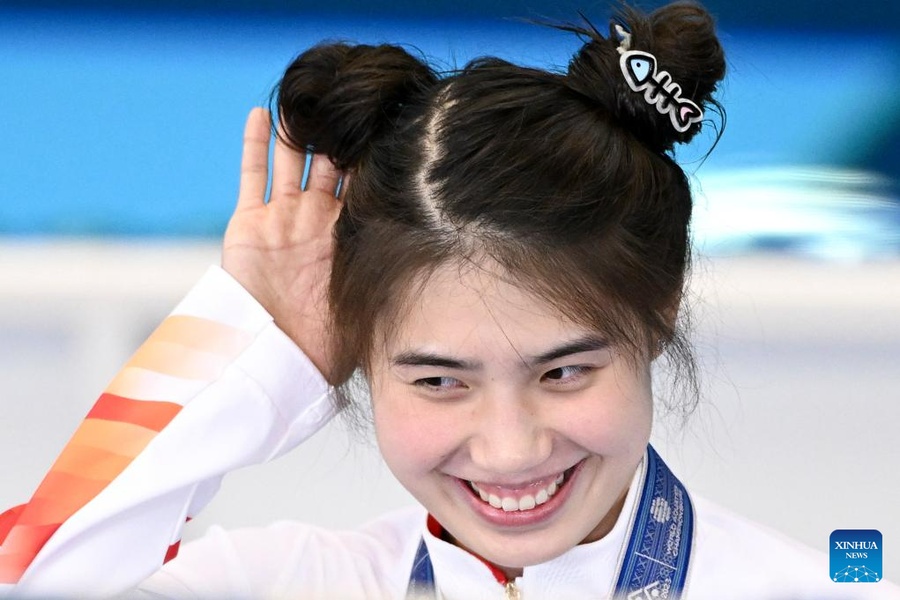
column 682, row 38
column 337, row 98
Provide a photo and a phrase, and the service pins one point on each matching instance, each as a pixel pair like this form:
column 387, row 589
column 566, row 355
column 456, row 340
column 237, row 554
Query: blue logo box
column 856, row 556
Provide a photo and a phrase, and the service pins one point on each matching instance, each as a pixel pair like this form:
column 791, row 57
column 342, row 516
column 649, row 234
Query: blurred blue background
column 124, row 118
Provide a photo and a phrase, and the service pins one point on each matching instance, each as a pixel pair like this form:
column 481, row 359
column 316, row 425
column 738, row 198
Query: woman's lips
column 520, row 505
column 519, row 498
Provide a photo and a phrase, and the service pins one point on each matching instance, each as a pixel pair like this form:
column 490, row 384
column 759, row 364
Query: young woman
column 500, row 255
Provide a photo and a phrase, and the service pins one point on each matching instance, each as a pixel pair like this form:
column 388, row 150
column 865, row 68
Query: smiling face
column 518, row 429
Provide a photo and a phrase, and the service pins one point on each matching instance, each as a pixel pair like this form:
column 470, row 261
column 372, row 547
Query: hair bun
column 337, row 98
column 681, row 37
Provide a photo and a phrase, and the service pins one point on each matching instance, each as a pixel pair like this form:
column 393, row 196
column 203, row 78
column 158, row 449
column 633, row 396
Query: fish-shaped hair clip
column 640, row 71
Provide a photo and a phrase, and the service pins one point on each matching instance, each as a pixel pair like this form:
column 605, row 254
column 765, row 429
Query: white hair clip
column 624, row 39
column 640, row 71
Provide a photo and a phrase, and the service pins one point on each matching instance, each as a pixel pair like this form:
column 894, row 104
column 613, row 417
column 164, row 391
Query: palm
column 281, row 250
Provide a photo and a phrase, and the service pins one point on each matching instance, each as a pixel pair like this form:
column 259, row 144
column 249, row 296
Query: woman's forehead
column 464, row 284
column 478, row 305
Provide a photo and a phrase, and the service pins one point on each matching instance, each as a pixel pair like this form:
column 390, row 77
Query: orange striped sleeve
column 139, row 403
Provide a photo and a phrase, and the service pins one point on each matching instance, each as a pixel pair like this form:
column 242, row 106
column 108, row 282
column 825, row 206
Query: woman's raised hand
column 281, row 250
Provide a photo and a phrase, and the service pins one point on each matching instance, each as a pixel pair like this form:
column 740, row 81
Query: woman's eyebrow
column 588, row 343
column 429, row 359
column 412, row 358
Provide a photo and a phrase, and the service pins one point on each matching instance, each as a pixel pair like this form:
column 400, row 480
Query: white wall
column 797, row 427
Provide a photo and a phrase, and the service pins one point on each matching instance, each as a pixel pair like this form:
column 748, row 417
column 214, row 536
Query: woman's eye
column 565, row 374
column 438, row 383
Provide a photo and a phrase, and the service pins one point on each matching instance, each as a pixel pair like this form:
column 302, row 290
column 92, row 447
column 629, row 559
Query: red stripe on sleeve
column 20, row 547
column 152, row 414
column 8, row 519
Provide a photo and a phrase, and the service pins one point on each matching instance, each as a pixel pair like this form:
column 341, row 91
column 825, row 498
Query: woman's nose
column 509, row 436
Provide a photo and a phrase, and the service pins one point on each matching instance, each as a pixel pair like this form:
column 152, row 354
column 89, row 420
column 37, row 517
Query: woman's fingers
column 323, row 176
column 287, row 169
column 320, row 206
column 255, row 160
column 317, row 204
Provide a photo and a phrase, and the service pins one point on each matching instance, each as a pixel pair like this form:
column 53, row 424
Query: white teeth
column 481, row 493
column 526, row 502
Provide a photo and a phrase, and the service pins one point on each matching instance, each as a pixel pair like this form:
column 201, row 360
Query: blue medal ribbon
column 421, row 579
column 654, row 565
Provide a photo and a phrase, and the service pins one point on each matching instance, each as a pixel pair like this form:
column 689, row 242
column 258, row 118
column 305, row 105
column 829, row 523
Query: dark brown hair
column 566, row 180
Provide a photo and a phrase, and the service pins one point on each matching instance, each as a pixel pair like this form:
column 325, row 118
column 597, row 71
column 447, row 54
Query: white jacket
column 218, row 386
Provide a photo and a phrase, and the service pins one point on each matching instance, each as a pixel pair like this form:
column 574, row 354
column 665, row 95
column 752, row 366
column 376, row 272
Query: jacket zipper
column 512, row 592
